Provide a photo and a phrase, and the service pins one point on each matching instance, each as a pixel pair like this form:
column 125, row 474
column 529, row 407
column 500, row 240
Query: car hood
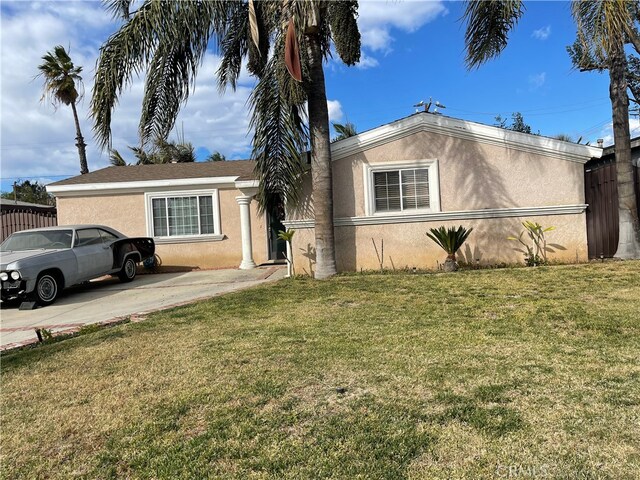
column 7, row 258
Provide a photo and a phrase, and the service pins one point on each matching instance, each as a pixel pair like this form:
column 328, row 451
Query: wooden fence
column 601, row 194
column 14, row 218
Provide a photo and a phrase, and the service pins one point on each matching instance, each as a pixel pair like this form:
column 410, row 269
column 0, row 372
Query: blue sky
column 411, row 51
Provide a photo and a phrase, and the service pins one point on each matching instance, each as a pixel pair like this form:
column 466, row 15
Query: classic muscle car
column 39, row 263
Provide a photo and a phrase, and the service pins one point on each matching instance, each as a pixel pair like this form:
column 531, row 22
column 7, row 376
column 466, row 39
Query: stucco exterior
column 485, row 179
column 126, row 213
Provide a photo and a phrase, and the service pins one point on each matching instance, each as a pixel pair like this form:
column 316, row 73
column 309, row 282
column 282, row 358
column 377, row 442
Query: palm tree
column 168, row 40
column 564, row 137
column 345, row 130
column 162, row 151
column 61, row 77
column 603, row 28
column 216, row 157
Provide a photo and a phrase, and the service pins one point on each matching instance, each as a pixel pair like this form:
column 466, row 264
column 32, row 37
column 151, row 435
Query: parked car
column 39, row 263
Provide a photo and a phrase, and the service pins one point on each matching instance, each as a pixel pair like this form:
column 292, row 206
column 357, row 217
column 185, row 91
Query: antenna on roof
column 427, row 106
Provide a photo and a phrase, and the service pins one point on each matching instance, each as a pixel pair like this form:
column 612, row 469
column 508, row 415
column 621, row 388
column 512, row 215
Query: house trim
column 453, row 127
column 140, row 186
column 446, row 216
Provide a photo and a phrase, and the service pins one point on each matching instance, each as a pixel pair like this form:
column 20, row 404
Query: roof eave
column 139, row 185
column 465, row 130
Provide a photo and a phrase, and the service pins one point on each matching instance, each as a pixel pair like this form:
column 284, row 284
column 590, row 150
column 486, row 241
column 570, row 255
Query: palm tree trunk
column 629, row 239
column 80, row 142
column 320, row 161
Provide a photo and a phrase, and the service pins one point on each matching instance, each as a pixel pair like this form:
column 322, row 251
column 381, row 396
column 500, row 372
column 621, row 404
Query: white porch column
column 245, row 226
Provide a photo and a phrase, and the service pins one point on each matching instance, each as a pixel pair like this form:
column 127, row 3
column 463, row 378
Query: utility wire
column 36, row 175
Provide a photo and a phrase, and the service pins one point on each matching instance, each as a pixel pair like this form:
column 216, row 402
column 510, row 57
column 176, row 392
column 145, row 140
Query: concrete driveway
column 107, row 300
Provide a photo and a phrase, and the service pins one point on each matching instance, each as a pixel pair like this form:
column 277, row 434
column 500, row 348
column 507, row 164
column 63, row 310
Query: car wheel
column 128, row 271
column 46, row 290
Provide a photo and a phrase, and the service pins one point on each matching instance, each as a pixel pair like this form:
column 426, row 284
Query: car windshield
column 37, row 240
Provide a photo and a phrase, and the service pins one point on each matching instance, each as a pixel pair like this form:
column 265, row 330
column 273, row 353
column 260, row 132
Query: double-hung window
column 184, row 215
column 404, row 188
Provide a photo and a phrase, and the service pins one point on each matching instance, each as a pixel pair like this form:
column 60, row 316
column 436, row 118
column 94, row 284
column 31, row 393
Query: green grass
column 462, row 375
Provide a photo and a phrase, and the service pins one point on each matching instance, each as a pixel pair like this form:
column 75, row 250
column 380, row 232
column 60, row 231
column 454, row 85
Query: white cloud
column 367, row 61
column 606, row 134
column 537, row 80
column 335, row 110
column 377, row 19
column 542, row 33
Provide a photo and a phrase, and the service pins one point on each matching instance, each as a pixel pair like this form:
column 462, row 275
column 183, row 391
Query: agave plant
column 450, row 240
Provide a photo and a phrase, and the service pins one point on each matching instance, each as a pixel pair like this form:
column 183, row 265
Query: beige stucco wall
column 472, row 176
column 406, row 245
column 126, row 213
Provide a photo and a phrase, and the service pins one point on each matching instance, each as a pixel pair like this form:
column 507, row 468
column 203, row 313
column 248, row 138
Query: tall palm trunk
column 629, row 239
column 84, row 168
column 320, row 161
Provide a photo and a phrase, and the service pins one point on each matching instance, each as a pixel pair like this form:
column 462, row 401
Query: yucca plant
column 450, row 240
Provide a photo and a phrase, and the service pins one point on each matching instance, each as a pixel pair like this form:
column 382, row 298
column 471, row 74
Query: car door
column 95, row 258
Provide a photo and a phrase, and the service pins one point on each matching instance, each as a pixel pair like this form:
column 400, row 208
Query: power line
column 594, row 128
column 16, row 145
column 38, row 175
column 545, row 110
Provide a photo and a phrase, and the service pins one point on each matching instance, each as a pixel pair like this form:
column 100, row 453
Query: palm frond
column 488, row 26
column 234, row 47
column 258, row 30
column 280, row 136
column 116, row 159
column 142, row 156
column 118, row 8
column 216, row 157
column 602, row 25
column 171, row 73
column 179, row 31
column 344, row 130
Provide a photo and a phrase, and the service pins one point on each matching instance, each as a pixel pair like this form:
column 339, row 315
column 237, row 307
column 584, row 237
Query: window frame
column 215, row 204
column 431, row 165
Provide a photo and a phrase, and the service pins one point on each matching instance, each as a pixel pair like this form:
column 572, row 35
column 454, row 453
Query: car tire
column 47, row 289
column 128, row 272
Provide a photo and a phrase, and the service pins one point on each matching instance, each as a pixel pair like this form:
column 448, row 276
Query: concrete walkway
column 107, row 300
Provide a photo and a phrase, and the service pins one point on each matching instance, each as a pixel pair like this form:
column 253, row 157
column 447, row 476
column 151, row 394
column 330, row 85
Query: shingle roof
column 243, row 169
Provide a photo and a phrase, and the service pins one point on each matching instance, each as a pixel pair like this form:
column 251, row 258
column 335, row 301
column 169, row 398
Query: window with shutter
column 401, row 190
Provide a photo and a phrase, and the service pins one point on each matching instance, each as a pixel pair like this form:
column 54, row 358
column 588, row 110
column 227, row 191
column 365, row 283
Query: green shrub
column 536, row 252
column 450, row 240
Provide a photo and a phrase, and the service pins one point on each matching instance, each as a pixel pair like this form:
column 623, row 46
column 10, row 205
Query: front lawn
column 478, row 374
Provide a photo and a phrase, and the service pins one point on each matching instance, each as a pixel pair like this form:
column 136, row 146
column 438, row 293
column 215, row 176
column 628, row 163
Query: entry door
column 95, row 258
column 277, row 247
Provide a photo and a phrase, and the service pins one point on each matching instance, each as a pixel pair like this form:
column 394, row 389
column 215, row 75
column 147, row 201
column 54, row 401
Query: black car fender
column 142, row 248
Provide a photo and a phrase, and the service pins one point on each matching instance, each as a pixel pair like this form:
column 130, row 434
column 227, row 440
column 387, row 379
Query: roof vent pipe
column 600, row 142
